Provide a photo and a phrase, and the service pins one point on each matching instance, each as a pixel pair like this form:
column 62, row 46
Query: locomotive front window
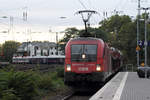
column 90, row 52
column 76, row 49
column 90, row 49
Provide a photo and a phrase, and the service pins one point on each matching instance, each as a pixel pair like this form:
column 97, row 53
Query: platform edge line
column 121, row 87
column 103, row 89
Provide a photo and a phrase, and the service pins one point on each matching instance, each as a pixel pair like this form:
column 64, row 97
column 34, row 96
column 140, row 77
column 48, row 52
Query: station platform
column 125, row 86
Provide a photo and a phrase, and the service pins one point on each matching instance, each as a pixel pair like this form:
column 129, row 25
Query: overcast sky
column 44, row 15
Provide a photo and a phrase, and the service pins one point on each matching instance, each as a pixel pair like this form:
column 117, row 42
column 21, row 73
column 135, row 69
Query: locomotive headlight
column 98, row 67
column 83, row 56
column 68, row 67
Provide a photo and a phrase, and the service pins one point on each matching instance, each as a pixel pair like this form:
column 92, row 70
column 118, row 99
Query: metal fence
column 130, row 68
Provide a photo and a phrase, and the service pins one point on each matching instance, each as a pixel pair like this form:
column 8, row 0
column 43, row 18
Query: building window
column 56, row 53
column 36, row 47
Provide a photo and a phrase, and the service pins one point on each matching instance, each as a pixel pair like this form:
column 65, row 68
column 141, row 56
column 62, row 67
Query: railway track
column 35, row 67
column 85, row 95
column 78, row 96
column 68, row 96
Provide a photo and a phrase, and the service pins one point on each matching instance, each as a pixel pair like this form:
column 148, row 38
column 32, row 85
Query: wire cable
column 82, row 4
column 90, row 3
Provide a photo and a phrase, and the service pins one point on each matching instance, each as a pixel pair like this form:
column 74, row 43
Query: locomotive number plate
column 83, row 68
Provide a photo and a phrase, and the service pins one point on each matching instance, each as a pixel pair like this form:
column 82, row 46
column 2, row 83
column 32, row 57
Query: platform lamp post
column 145, row 43
column 138, row 31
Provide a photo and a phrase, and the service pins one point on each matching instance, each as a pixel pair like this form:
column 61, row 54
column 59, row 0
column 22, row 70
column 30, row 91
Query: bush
column 57, row 82
column 21, row 84
column 9, row 95
column 60, row 72
column 18, row 85
column 45, row 82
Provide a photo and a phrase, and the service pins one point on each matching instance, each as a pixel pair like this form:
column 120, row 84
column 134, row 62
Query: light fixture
column 83, row 56
column 98, row 67
column 68, row 67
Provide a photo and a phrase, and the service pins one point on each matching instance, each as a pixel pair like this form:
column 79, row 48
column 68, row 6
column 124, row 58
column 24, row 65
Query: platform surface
column 124, row 86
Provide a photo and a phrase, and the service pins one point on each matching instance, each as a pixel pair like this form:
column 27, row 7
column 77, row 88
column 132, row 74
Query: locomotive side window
column 77, row 51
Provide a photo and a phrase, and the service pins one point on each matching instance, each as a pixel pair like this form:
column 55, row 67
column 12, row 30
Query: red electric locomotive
column 90, row 60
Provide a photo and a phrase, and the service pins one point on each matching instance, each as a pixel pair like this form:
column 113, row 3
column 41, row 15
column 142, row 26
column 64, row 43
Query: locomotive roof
column 85, row 38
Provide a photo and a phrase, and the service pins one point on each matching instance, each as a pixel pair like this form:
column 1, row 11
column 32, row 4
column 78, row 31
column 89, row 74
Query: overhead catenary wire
column 82, row 4
column 11, row 17
column 90, row 4
column 120, row 4
column 93, row 17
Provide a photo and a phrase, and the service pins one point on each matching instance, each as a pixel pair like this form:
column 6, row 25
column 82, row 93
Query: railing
column 130, row 67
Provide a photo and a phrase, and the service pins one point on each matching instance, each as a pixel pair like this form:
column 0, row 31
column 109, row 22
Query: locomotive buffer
column 124, row 86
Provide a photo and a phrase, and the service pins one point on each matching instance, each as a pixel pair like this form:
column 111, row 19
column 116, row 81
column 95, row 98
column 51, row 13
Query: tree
column 114, row 22
column 127, row 36
column 122, row 35
column 8, row 49
column 1, row 53
column 69, row 33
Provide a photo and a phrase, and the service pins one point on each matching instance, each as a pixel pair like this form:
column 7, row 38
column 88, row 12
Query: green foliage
column 44, row 82
column 8, row 49
column 9, row 95
column 99, row 33
column 57, row 82
column 122, row 35
column 18, row 85
column 114, row 22
column 1, row 54
column 50, row 82
column 69, row 33
column 60, row 72
column 127, row 38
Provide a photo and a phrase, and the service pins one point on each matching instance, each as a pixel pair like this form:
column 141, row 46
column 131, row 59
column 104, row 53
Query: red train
column 90, row 60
